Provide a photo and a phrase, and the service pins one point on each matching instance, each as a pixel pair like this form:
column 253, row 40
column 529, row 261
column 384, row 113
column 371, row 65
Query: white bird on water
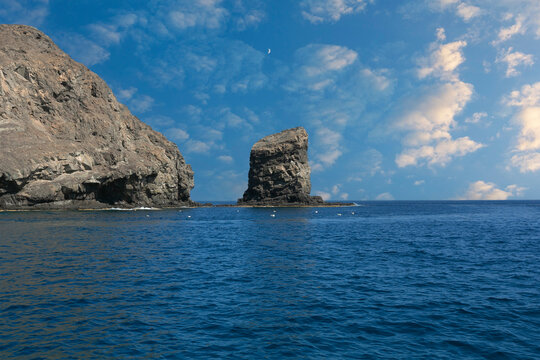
column 273, row 215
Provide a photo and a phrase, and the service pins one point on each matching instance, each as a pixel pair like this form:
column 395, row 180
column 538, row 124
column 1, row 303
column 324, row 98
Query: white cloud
column 318, row 11
column 326, row 196
column 319, row 66
column 126, row 94
column 177, row 134
column 481, row 190
column 384, row 197
column 429, row 123
column 419, row 182
column 529, row 120
column 528, row 96
column 476, row 117
column 441, row 34
column 83, row 50
column 27, row 12
column 198, row 13
column 527, row 157
column 467, row 12
column 443, row 60
column 431, row 117
column 196, row 146
column 464, row 10
column 331, row 89
column 141, row 104
column 526, row 162
column 344, row 196
column 513, row 60
column 439, row 154
column 509, row 32
column 115, row 30
column 330, row 141
column 226, row 159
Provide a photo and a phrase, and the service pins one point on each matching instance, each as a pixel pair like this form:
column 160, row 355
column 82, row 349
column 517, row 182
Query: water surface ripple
column 384, row 280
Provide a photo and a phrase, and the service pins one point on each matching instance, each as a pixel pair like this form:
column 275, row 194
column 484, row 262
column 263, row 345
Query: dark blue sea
column 383, row 280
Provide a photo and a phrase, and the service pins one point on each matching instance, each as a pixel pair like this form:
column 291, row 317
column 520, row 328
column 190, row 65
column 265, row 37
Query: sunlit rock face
column 65, row 141
column 279, row 171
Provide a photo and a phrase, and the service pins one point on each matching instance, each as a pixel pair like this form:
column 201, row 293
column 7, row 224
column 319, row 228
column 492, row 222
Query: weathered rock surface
column 279, row 172
column 65, row 141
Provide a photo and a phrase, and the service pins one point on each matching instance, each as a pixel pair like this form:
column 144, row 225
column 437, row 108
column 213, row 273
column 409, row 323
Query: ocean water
column 383, row 280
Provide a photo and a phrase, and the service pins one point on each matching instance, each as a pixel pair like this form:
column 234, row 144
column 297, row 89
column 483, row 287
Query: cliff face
column 279, row 171
column 65, row 141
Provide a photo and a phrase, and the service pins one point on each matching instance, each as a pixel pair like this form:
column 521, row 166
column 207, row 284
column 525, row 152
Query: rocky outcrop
column 65, row 141
column 279, row 172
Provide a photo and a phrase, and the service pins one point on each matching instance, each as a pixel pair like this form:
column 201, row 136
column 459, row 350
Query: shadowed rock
column 67, row 142
column 279, row 172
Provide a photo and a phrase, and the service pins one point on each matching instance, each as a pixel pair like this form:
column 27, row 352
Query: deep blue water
column 385, row 280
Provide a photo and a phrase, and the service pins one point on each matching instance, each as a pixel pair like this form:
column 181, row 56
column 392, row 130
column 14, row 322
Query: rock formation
column 65, row 141
column 279, row 172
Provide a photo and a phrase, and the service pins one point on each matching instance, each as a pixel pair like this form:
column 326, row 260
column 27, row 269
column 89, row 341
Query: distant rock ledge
column 279, row 172
column 66, row 142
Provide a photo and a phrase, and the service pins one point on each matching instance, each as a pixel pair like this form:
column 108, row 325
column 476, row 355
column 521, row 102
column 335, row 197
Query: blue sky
column 420, row 99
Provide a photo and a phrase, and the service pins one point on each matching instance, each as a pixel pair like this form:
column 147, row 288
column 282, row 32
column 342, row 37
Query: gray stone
column 65, row 141
column 279, row 172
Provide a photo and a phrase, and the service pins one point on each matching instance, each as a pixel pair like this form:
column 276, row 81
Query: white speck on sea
column 316, row 212
column 339, row 214
column 273, row 215
column 189, row 216
column 352, row 213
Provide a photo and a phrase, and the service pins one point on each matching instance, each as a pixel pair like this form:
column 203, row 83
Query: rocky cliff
column 279, row 172
column 65, row 141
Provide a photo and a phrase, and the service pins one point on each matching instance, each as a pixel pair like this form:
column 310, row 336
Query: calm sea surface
column 383, row 280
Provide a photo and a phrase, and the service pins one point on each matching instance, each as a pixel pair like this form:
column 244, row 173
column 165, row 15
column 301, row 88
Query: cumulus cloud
column 527, row 157
column 481, row 190
column 443, row 60
column 318, row 11
column 430, row 118
column 28, row 12
column 429, row 123
column 467, row 12
column 513, row 59
column 462, row 9
column 476, row 117
column 507, row 33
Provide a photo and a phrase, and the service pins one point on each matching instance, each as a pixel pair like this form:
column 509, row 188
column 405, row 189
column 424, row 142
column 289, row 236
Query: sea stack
column 66, row 142
column 279, row 172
